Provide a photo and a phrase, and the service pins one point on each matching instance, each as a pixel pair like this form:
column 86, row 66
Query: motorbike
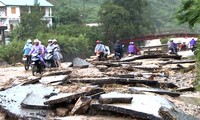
column 193, row 48
column 49, row 60
column 26, row 60
column 117, row 56
column 37, row 66
column 100, row 56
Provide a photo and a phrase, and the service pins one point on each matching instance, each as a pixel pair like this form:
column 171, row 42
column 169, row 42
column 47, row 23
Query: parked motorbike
column 49, row 60
column 26, row 60
column 37, row 66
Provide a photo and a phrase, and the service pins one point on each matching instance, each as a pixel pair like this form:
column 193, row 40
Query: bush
column 164, row 40
column 12, row 52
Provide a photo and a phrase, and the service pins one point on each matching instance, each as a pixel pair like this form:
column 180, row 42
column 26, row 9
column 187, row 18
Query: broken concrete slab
column 178, row 62
column 174, row 114
column 142, row 106
column 32, row 80
column 130, row 63
column 82, row 117
column 80, row 63
column 12, row 98
column 63, row 97
column 81, row 105
column 167, row 85
column 53, row 79
column 185, row 89
column 154, row 90
column 113, row 80
column 105, row 100
column 34, row 101
column 68, row 97
column 54, row 73
column 148, row 67
column 122, row 75
column 106, row 63
column 136, row 57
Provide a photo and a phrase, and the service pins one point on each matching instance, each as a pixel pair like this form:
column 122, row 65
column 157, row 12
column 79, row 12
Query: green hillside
column 162, row 11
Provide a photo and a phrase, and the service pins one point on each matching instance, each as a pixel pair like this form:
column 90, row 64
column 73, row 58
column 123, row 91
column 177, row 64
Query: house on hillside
column 11, row 10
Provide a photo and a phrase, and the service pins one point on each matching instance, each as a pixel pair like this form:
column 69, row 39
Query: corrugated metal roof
column 24, row 2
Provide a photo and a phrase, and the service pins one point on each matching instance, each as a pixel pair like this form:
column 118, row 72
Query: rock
column 62, row 112
column 80, row 63
column 174, row 114
column 102, row 67
column 81, row 105
column 3, row 63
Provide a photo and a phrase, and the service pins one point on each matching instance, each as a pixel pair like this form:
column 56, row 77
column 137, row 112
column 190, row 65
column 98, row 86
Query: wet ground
column 189, row 102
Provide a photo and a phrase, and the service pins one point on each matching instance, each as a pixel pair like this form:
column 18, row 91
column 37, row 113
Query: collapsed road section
column 111, row 89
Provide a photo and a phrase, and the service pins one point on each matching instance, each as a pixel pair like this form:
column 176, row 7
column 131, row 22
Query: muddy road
column 163, row 70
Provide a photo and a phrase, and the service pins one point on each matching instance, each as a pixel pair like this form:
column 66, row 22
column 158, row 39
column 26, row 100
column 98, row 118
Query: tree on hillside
column 141, row 19
column 31, row 23
column 114, row 21
column 68, row 16
column 189, row 12
column 125, row 19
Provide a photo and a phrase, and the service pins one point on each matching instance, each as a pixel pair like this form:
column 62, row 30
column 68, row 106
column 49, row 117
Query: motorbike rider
column 105, row 50
column 57, row 55
column 132, row 49
column 118, row 49
column 172, row 46
column 27, row 48
column 43, row 47
column 192, row 44
column 38, row 49
column 99, row 49
column 50, row 45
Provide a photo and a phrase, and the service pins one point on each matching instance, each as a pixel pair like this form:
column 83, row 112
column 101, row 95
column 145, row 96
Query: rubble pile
column 136, row 88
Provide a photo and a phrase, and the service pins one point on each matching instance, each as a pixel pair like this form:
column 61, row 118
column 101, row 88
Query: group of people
column 41, row 50
column 103, row 51
column 173, row 47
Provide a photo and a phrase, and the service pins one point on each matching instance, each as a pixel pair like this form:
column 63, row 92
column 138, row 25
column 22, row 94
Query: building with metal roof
column 25, row 3
column 11, row 10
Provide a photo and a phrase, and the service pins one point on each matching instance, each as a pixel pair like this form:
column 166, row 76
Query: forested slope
column 162, row 11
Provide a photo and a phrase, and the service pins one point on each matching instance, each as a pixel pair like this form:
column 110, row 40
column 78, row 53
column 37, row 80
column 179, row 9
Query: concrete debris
column 174, row 114
column 136, row 107
column 118, row 90
column 62, row 112
column 12, row 99
column 154, row 90
column 82, row 105
column 80, row 63
column 53, row 79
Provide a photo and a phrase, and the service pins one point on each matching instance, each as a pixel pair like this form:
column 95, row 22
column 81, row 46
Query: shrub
column 12, row 52
column 164, row 40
